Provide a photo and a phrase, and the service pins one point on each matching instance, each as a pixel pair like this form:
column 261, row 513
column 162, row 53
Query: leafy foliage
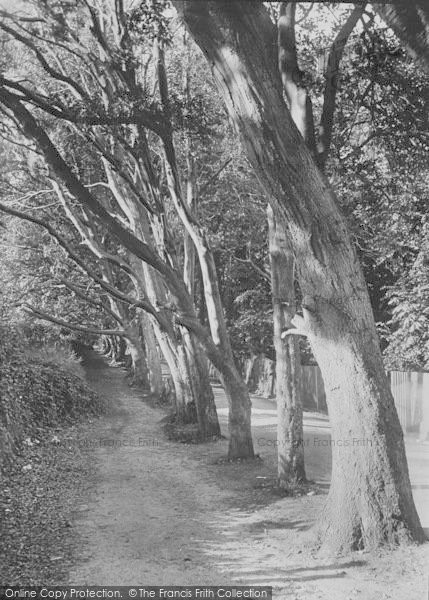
column 252, row 331
column 378, row 162
column 379, row 168
column 408, row 343
column 36, row 390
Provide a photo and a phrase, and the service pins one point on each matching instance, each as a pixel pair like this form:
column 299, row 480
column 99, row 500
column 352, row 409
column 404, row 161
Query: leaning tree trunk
column 194, row 399
column 219, row 350
column 410, row 22
column 201, row 388
column 290, row 442
column 153, row 359
column 139, row 368
column 116, row 352
column 194, row 396
column 240, row 441
column 187, row 362
column 239, row 409
column 370, row 501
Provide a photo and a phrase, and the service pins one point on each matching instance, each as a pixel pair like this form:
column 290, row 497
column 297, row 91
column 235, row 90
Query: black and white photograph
column 214, row 300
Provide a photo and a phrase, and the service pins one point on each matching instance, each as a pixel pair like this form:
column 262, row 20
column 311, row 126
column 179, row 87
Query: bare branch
column 88, row 236
column 99, row 303
column 40, row 57
column 62, row 170
column 266, row 276
column 305, row 15
column 144, row 304
column 74, row 327
column 373, row 135
column 208, row 183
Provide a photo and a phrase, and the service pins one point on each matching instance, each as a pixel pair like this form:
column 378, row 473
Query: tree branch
column 151, row 119
column 99, row 303
column 55, row 161
column 373, row 135
column 293, row 79
column 331, row 86
column 266, row 276
column 211, row 179
column 88, row 236
column 143, row 304
column 50, row 70
column 74, row 327
column 410, row 22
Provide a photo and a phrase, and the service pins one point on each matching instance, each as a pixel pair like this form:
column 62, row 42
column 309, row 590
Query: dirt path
column 148, row 519
column 170, row 514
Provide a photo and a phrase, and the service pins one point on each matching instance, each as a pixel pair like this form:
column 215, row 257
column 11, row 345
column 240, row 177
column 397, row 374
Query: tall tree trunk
column 187, row 362
column 290, row 433
column 191, row 184
column 239, row 410
column 201, row 388
column 153, row 359
column 139, row 369
column 117, row 349
column 370, row 501
column 239, row 405
column 182, row 391
column 290, row 446
column 194, row 396
column 240, row 442
column 105, row 345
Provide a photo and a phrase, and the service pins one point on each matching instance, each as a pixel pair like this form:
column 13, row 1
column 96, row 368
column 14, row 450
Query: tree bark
column 194, row 396
column 290, row 438
column 153, row 359
column 239, row 411
column 370, row 501
column 240, row 441
column 410, row 22
column 139, row 368
column 181, row 307
column 297, row 96
column 116, row 352
column 202, row 391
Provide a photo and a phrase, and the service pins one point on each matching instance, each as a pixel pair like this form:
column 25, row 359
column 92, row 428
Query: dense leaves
column 378, row 161
column 38, row 389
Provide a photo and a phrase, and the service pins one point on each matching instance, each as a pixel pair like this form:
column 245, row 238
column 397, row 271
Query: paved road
column 317, row 432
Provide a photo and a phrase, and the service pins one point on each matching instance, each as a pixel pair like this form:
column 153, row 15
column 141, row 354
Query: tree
column 155, row 119
column 52, row 290
column 290, row 447
column 370, row 500
column 379, row 169
column 410, row 22
column 288, row 368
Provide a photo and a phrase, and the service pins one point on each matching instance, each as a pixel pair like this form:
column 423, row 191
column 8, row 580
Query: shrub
column 62, row 357
column 39, row 388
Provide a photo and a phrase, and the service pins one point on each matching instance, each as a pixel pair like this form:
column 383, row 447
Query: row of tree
column 110, row 116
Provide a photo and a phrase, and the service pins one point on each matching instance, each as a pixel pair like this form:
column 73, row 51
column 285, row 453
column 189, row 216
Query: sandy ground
column 163, row 513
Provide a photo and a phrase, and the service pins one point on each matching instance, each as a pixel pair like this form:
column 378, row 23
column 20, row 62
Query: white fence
column 410, row 391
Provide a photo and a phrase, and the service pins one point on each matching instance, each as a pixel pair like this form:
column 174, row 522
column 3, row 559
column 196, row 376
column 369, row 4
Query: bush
column 39, row 388
column 58, row 356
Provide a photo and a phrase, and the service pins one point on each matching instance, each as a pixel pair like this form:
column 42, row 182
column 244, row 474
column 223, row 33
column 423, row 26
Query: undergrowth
column 41, row 386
